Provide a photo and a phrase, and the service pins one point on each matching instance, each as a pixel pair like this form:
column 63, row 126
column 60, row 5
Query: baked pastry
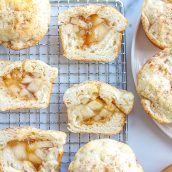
column 23, row 23
column 25, row 84
column 91, row 33
column 105, row 155
column 167, row 169
column 157, row 23
column 30, row 150
column 154, row 86
column 96, row 107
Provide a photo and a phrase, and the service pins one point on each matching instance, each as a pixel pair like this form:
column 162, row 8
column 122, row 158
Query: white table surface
column 151, row 146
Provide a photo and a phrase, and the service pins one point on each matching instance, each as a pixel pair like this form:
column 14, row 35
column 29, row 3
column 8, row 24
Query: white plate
column 142, row 49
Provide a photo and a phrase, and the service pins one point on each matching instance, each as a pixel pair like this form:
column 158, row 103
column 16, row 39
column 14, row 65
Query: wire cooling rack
column 70, row 72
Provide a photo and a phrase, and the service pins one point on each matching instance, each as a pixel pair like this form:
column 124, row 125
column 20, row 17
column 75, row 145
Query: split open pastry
column 25, row 84
column 157, row 23
column 92, row 32
column 154, row 86
column 23, row 23
column 30, row 150
column 96, row 107
column 105, row 155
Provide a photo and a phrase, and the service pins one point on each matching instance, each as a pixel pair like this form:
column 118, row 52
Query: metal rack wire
column 70, row 72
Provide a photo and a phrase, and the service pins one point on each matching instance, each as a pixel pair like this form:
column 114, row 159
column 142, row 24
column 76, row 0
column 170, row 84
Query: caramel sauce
column 88, row 121
column 15, row 78
column 105, row 118
column 26, row 142
column 91, row 121
column 96, row 30
column 90, row 36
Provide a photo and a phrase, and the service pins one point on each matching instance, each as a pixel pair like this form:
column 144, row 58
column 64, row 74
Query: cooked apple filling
column 91, row 111
column 29, row 151
column 21, row 84
column 90, row 30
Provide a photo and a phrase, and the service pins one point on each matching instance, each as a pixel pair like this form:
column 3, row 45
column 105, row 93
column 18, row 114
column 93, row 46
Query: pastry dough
column 23, row 23
column 157, row 23
column 154, row 85
column 92, row 33
column 30, row 150
column 97, row 107
column 25, row 84
column 105, row 155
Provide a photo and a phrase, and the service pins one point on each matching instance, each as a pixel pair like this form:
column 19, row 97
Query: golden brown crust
column 119, row 45
column 1, row 168
column 25, row 23
column 156, row 22
column 59, row 160
column 24, row 132
column 167, row 169
column 153, row 41
column 152, row 115
column 105, row 155
column 31, row 43
column 154, row 85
